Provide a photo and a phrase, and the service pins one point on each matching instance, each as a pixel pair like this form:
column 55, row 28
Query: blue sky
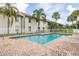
column 64, row 9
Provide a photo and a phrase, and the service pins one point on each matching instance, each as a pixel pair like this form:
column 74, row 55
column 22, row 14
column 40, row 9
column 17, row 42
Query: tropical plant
column 44, row 19
column 71, row 18
column 39, row 15
column 76, row 14
column 10, row 11
column 56, row 16
column 50, row 25
column 67, row 26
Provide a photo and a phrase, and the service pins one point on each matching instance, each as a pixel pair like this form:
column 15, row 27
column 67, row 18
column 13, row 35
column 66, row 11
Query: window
column 38, row 28
column 29, row 28
column 21, row 17
column 17, row 30
column 43, row 28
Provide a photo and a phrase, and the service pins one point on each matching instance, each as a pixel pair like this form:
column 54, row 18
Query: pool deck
column 63, row 46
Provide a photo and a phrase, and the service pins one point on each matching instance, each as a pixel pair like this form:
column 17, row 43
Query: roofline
column 27, row 15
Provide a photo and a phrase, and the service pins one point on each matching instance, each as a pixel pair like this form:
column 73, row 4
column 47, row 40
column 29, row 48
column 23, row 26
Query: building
column 24, row 24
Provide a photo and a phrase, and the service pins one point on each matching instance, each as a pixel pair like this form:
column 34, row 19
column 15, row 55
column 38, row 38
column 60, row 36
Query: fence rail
column 44, row 31
column 57, row 30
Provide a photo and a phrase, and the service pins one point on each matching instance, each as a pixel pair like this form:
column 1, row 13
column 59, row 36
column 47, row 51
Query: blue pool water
column 42, row 39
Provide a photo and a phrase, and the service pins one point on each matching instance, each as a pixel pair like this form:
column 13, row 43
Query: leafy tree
column 76, row 14
column 39, row 15
column 56, row 16
column 9, row 11
column 71, row 18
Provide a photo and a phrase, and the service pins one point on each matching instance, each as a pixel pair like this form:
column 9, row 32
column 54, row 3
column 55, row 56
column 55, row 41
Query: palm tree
column 39, row 15
column 56, row 15
column 9, row 11
column 71, row 18
column 44, row 20
column 76, row 14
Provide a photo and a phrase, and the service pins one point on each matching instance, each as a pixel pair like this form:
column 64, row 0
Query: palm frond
column 56, row 15
column 39, row 14
column 10, row 11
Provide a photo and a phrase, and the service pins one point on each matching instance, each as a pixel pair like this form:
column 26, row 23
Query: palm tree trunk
column 72, row 24
column 56, row 24
column 8, row 25
column 76, row 24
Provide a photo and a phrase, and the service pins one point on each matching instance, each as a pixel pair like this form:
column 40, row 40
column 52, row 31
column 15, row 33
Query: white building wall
column 3, row 24
column 43, row 24
column 46, row 26
column 16, row 27
column 13, row 27
column 26, row 24
column 34, row 25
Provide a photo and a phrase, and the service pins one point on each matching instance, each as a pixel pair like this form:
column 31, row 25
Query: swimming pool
column 42, row 39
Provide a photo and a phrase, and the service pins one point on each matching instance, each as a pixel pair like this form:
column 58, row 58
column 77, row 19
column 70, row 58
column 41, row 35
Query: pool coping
column 38, row 34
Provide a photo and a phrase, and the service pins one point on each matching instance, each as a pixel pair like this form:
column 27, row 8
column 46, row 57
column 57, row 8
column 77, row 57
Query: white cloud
column 22, row 6
column 62, row 21
column 45, row 6
column 50, row 8
column 70, row 8
column 1, row 4
column 56, row 8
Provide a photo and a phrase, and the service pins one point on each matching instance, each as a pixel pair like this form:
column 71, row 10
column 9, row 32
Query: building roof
column 27, row 15
column 23, row 14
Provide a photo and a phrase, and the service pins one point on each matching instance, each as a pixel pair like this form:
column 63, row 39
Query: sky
column 65, row 9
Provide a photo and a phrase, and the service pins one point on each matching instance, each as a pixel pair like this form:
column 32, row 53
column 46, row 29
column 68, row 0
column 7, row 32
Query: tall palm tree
column 71, row 18
column 44, row 21
column 76, row 14
column 9, row 11
column 38, row 14
column 44, row 18
column 56, row 15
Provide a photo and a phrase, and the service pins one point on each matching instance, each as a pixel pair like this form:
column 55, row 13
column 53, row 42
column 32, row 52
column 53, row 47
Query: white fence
column 76, row 30
column 58, row 30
